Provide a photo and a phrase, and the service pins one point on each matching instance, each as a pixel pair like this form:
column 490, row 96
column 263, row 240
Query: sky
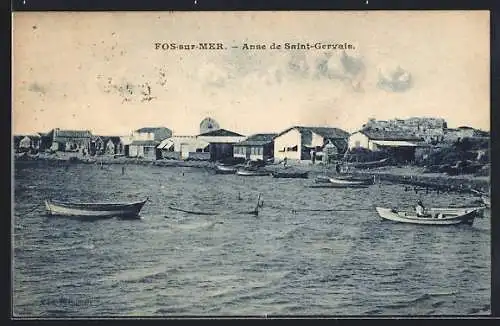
column 100, row 70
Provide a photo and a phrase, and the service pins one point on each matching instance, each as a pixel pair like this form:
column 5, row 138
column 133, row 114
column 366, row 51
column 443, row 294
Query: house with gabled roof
column 256, row 147
column 221, row 143
column 307, row 143
column 70, row 140
column 399, row 144
column 145, row 140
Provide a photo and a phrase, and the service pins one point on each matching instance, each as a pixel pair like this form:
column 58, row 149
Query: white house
column 399, row 145
column 184, row 147
column 307, row 143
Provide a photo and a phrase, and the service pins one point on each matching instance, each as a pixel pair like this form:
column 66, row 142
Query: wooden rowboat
column 336, row 185
column 351, row 181
column 94, row 210
column 224, row 169
column 436, row 216
column 252, row 173
column 290, row 174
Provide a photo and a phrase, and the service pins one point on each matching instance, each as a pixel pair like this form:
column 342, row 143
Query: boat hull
column 351, row 181
column 94, row 210
column 246, row 173
column 336, row 185
column 296, row 175
column 225, row 170
column 446, row 216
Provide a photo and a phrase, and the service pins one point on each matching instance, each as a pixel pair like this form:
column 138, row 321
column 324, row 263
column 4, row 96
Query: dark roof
column 389, row 135
column 257, row 140
column 325, row 132
column 341, row 144
column 72, row 133
column 114, row 139
column 221, row 133
column 150, row 129
column 144, row 143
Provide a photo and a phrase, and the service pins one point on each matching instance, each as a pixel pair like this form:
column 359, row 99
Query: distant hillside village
column 403, row 140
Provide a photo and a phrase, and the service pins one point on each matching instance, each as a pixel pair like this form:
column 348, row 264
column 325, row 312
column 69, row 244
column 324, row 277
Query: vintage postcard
column 251, row 164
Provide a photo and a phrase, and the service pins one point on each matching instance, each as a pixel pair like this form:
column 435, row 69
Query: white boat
column 252, row 173
column 94, row 210
column 436, row 216
column 349, row 181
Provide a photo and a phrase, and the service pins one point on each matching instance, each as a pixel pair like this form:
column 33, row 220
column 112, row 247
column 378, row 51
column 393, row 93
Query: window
column 260, row 150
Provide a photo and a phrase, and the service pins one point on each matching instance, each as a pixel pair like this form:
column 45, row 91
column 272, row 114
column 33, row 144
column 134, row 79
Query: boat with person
column 434, row 216
column 94, row 210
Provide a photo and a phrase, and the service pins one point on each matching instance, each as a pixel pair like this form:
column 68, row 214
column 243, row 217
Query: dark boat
column 94, row 210
column 225, row 169
column 290, row 174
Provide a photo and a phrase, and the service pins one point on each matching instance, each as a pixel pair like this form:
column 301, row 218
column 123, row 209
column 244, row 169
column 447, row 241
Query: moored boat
column 336, row 185
column 252, row 172
column 436, row 216
column 290, row 174
column 94, row 210
column 350, row 180
column 225, row 169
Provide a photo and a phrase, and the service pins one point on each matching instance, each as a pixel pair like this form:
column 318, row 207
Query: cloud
column 211, row 75
column 394, row 79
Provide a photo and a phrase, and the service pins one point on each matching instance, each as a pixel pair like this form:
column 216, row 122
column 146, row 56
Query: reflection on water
column 345, row 262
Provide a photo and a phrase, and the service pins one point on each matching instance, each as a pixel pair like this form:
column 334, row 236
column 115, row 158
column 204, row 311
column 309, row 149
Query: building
column 256, row 147
column 301, row 143
column 399, row 145
column 453, row 134
column 114, row 145
column 184, row 147
column 431, row 130
column 145, row 140
column 25, row 143
column 97, row 145
column 126, row 141
column 208, row 124
column 144, row 149
column 70, row 140
column 152, row 133
column 221, row 142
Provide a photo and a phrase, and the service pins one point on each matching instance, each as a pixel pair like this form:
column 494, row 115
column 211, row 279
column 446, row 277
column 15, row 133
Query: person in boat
column 284, row 162
column 420, row 209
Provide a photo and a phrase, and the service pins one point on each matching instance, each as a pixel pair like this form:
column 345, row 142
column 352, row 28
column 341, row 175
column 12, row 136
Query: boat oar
column 329, row 210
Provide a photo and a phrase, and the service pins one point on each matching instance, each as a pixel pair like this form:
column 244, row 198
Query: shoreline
column 408, row 175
